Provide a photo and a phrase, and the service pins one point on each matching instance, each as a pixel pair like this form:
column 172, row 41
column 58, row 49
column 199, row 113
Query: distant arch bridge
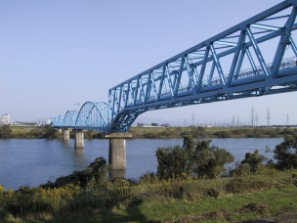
column 253, row 58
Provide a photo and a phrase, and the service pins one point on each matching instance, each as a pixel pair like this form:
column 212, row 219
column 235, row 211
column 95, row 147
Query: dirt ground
column 285, row 217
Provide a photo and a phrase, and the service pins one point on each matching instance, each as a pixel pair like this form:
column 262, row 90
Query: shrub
column 172, row 189
column 208, row 161
column 213, row 192
column 286, row 153
column 195, row 157
column 149, row 177
column 246, row 184
column 5, row 131
column 172, row 162
column 251, row 164
column 88, row 179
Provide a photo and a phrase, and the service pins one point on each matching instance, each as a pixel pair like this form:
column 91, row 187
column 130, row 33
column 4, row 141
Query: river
column 30, row 162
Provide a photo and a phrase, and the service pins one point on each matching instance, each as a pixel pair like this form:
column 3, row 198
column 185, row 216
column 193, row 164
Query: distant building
column 5, row 119
column 44, row 122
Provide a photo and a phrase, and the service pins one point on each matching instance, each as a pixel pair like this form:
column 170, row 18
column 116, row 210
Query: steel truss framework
column 231, row 65
column 91, row 116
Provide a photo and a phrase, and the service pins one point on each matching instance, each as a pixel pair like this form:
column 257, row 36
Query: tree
column 5, row 131
column 195, row 157
column 189, row 144
column 49, row 132
column 255, row 160
column 286, row 153
column 172, row 162
column 251, row 164
column 209, row 161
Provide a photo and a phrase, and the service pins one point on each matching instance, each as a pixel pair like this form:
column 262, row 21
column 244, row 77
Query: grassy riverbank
column 151, row 200
column 158, row 132
column 211, row 132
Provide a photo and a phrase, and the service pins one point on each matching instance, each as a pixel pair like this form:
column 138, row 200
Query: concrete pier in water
column 66, row 134
column 79, row 139
column 117, row 151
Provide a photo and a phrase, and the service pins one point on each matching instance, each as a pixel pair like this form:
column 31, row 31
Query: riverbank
column 251, row 191
column 210, row 132
column 160, row 132
column 188, row 199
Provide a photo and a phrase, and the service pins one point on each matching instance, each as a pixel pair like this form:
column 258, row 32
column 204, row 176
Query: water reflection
column 79, row 155
column 117, row 173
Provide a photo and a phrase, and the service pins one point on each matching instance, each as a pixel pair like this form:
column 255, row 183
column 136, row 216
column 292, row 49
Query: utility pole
column 288, row 119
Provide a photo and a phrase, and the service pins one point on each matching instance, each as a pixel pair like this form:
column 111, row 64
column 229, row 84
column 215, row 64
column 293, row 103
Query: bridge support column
column 117, row 153
column 79, row 139
column 66, row 134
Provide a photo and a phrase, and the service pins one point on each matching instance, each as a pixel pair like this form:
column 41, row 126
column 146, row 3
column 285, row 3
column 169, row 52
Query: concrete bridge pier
column 66, row 134
column 117, row 153
column 79, row 139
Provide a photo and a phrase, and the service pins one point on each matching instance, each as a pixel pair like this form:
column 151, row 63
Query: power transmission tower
column 268, row 116
column 233, row 120
column 252, row 116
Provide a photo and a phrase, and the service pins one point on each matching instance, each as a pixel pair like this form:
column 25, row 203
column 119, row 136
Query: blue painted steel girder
column 215, row 69
column 93, row 116
column 70, row 118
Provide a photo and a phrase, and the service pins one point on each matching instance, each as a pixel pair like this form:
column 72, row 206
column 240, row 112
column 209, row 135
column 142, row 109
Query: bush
column 195, row 157
column 247, row 184
column 88, row 179
column 172, row 189
column 286, row 153
column 251, row 164
column 172, row 162
column 149, row 177
column 5, row 131
column 213, row 192
column 208, row 161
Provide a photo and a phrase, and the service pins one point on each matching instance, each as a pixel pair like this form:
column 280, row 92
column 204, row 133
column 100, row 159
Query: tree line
column 201, row 159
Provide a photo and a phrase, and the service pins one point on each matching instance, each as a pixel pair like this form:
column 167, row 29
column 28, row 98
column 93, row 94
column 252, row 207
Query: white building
column 44, row 122
column 5, row 119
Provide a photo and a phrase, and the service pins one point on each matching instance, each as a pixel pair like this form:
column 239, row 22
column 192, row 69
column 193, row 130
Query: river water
column 32, row 162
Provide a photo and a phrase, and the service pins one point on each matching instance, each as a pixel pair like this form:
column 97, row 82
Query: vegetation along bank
column 191, row 185
column 153, row 132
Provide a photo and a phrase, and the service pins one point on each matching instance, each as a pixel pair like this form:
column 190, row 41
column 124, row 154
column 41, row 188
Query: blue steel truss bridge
column 253, row 58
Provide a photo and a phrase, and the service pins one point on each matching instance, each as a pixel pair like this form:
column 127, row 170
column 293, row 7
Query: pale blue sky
column 56, row 53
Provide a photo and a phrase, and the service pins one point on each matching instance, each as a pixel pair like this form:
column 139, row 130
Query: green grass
column 149, row 202
column 275, row 200
column 21, row 131
column 152, row 200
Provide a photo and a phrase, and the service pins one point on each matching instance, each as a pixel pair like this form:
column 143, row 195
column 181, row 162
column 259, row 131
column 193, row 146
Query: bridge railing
column 248, row 73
